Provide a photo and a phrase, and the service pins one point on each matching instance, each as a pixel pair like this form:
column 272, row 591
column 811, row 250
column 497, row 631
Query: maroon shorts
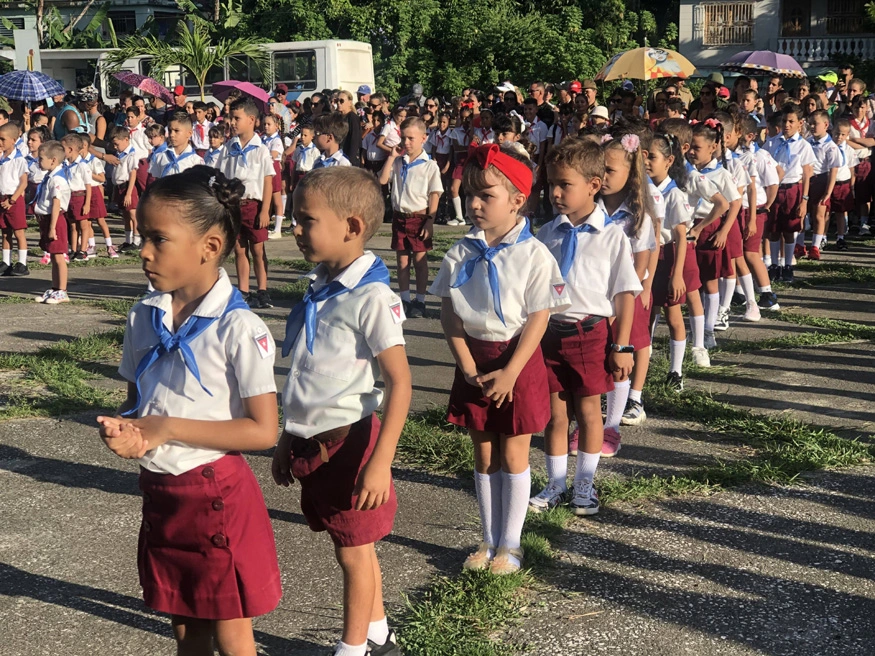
column 61, row 244
column 782, row 215
column 664, row 270
column 249, row 210
column 864, row 185
column 120, row 192
column 460, row 166
column 842, row 199
column 15, row 217
column 206, row 546
column 734, row 241
column 201, row 152
column 817, row 190
column 529, row 412
column 578, row 363
column 753, row 243
column 327, row 488
column 74, row 209
column 639, row 336
column 98, row 205
column 405, row 232
column 713, row 263
column 142, row 175
column 441, row 160
column 277, row 180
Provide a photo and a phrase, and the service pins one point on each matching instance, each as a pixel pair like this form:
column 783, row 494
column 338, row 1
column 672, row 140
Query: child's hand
column 128, row 200
column 53, row 234
column 398, row 151
column 620, row 364
column 86, row 209
column 5, row 204
column 372, row 486
column 646, row 297
column 802, row 210
column 153, row 428
column 751, row 228
column 122, row 438
column 262, row 220
column 825, row 199
column 427, row 230
column 471, row 379
column 676, row 288
column 281, row 467
column 693, row 235
column 718, row 240
column 498, row 385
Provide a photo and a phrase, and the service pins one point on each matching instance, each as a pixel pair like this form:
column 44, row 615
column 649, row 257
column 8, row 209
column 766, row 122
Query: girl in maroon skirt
column 499, row 286
column 199, row 366
column 273, row 139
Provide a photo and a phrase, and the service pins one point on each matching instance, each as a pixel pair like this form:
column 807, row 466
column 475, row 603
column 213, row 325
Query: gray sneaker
column 634, row 414
column 722, row 322
column 710, row 340
column 585, row 500
column 550, row 497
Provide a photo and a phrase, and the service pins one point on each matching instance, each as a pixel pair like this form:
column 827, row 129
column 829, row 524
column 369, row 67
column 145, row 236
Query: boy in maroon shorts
column 842, row 200
column 78, row 175
column 13, row 184
column 50, row 205
column 827, row 162
column 124, row 180
column 332, row 441
column 416, row 194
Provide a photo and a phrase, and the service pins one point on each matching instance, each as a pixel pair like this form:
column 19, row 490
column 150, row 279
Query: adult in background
column 352, row 144
column 282, row 109
column 68, row 119
column 684, row 93
column 589, row 91
column 364, row 93
column 416, row 96
column 538, row 91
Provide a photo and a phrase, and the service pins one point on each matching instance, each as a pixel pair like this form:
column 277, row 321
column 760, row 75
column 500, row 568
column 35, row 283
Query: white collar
column 662, row 185
column 212, row 306
column 596, row 219
column 349, row 277
column 510, row 238
column 422, row 155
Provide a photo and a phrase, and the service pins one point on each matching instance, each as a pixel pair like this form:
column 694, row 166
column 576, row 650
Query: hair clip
column 630, row 142
column 712, row 123
column 606, row 138
column 212, row 181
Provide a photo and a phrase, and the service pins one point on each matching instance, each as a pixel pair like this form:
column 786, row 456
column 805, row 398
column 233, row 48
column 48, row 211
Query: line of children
column 52, row 198
column 78, row 175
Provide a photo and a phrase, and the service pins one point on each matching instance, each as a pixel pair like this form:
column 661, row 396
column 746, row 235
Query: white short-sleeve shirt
column 211, row 157
column 128, row 162
column 161, row 165
column 699, row 188
column 336, row 159
column 724, row 183
column 602, row 266
column 767, row 173
column 644, row 239
column 658, row 202
column 739, row 172
column 79, row 175
column 864, row 130
column 200, row 135
column 678, row 210
column 392, row 133
column 799, row 154
column 369, row 146
column 528, row 281
column 827, row 155
column 335, row 385
column 258, row 165
column 11, row 171
column 97, row 168
column 423, row 179
column 56, row 187
column 140, row 140
column 849, row 161
column 305, row 157
column 538, row 131
column 276, row 145
column 35, row 174
column 235, row 357
column 440, row 142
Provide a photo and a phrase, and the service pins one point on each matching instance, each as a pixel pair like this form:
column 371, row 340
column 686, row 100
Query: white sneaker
column 722, row 322
column 864, row 230
column 701, row 357
column 550, row 497
column 274, row 234
column 57, row 296
column 91, row 252
column 752, row 312
column 45, row 296
column 585, row 500
column 455, row 222
column 710, row 341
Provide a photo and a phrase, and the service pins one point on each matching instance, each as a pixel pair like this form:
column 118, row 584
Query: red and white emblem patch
column 558, row 289
column 397, row 312
column 264, row 344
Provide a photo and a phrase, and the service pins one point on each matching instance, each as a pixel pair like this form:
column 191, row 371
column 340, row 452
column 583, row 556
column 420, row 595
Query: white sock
column 284, row 200
column 22, row 256
column 788, row 253
column 617, row 404
column 137, row 240
column 129, row 236
column 747, row 285
column 515, row 489
column 7, row 256
column 728, row 291
column 775, row 247
column 278, row 222
column 817, row 240
column 587, row 463
column 343, row 649
column 557, row 470
column 405, row 296
column 782, row 261
column 91, row 242
column 420, row 298
column 766, row 290
column 697, row 330
column 486, row 504
column 378, row 632
column 457, row 206
column 767, row 258
column 496, row 488
column 635, row 395
column 108, row 241
column 800, row 238
column 676, row 355
column 721, row 288
column 711, row 303
column 806, row 225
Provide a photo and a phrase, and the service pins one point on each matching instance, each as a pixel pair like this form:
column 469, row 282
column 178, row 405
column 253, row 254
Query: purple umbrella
column 221, row 90
column 145, row 84
column 752, row 62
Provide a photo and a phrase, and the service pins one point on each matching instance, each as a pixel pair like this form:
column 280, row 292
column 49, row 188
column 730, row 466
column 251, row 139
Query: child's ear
column 214, row 245
column 355, row 226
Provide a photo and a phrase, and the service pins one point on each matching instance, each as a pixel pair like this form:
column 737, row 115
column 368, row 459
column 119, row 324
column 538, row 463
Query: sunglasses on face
column 430, row 104
column 341, row 101
column 377, row 106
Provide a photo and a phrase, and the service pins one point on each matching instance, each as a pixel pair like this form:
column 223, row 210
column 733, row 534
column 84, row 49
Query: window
column 123, row 22
column 245, row 70
column 174, row 75
column 17, row 24
column 728, row 24
column 296, row 69
column 844, row 17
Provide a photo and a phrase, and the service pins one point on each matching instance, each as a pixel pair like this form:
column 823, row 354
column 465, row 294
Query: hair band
column 516, row 171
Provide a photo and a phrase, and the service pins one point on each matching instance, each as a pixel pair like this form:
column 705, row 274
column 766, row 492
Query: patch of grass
column 293, row 291
column 295, row 265
column 429, row 442
column 836, row 326
column 115, row 305
column 834, row 273
column 15, row 299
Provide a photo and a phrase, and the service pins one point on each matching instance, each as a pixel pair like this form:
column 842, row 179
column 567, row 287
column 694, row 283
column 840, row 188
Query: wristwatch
column 805, row 198
column 616, row 348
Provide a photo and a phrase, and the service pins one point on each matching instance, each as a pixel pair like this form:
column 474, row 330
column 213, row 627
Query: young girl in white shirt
column 199, row 366
column 499, row 286
column 273, row 139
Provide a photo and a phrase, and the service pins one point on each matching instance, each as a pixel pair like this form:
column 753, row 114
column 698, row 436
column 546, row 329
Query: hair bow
column 712, row 123
column 518, row 173
column 606, row 138
column 630, row 142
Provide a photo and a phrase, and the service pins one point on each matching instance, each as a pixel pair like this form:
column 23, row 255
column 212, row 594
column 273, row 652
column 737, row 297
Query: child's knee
column 355, row 559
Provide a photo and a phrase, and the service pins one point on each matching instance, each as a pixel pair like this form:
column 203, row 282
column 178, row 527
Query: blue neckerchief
column 305, row 149
column 180, row 341
column 42, row 185
column 236, row 150
column 9, row 159
column 33, row 160
column 486, row 253
column 569, row 244
column 619, row 216
column 671, row 185
column 129, row 151
column 690, row 168
column 326, row 162
column 707, row 170
column 266, row 140
column 406, row 166
column 67, row 167
column 817, row 143
column 173, row 166
column 782, row 149
column 844, row 157
column 157, row 151
column 303, row 315
column 210, row 155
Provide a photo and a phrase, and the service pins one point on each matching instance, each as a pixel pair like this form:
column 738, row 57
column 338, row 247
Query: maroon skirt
column 277, row 178
column 578, row 363
column 639, row 336
column 714, row 263
column 665, row 269
column 734, row 241
column 206, row 546
column 528, row 413
column 98, row 205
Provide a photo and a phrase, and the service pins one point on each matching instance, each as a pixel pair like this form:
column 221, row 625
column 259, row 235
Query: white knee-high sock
column 587, row 463
column 697, row 330
column 800, row 238
column 515, row 489
column 676, row 355
column 711, row 303
column 775, row 248
column 457, row 207
column 557, row 470
column 788, row 253
column 727, row 292
column 485, row 502
column 747, row 286
column 617, row 404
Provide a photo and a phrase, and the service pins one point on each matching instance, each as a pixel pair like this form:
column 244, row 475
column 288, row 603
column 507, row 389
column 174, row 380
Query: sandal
column 480, row 558
column 502, row 564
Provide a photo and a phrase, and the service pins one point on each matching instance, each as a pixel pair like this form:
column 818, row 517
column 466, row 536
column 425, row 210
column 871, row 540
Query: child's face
column 200, row 115
column 41, row 119
column 819, row 126
column 571, row 192
column 34, row 142
column 399, row 117
column 7, row 142
column 178, row 135
column 121, row 145
column 445, row 123
column 133, row 119
column 701, row 151
column 156, row 141
column 241, row 123
column 598, row 120
column 791, row 125
column 321, row 235
column 749, row 103
column 270, row 126
column 508, row 136
column 841, row 135
column 216, row 142
column 658, row 165
column 486, row 121
column 72, row 152
column 530, row 112
column 616, row 171
column 495, row 207
column 412, row 140
column 323, row 140
column 47, row 163
column 83, row 151
column 189, row 107
column 730, row 137
column 306, row 137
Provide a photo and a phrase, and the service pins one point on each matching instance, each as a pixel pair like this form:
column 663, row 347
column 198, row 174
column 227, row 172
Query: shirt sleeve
column 806, row 155
column 441, row 285
column 835, row 158
column 63, row 194
column 645, row 240
column 265, row 163
column 768, row 172
column 86, row 174
column 379, row 323
column 435, row 186
column 128, row 367
column 251, row 353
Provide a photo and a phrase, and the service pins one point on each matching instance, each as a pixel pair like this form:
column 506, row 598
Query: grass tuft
column 429, row 442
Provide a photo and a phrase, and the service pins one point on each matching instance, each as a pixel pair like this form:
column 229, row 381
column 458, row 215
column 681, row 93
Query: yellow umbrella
column 646, row 64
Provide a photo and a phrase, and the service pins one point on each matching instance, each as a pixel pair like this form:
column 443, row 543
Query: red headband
column 518, row 173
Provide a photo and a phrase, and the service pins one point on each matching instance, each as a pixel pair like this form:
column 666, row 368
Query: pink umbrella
column 145, row 84
column 220, row 91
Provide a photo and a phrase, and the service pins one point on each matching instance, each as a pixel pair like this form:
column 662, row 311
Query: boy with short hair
column 246, row 158
column 332, row 441
column 796, row 157
column 137, row 131
column 217, row 143
column 78, row 175
column 824, row 172
column 124, row 180
column 13, row 184
column 329, row 131
column 98, row 205
column 842, row 200
column 52, row 200
column 416, row 194
column 179, row 154
column 200, row 138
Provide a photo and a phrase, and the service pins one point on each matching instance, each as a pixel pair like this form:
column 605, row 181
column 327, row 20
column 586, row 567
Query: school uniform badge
column 265, row 344
column 558, row 289
column 397, row 311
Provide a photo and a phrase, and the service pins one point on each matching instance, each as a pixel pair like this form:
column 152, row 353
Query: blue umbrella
column 29, row 86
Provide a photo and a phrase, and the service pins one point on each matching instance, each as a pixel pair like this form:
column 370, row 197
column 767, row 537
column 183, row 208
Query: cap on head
column 590, row 84
column 282, row 88
column 628, row 85
column 417, row 89
column 179, row 90
column 575, row 87
column 365, row 90
column 829, row 76
column 723, row 92
column 505, row 86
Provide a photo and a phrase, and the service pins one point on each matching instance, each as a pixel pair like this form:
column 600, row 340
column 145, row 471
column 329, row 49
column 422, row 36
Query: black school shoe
column 19, row 269
column 263, row 299
column 417, row 310
column 389, row 648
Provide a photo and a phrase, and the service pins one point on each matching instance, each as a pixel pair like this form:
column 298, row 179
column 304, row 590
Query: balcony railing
column 822, row 49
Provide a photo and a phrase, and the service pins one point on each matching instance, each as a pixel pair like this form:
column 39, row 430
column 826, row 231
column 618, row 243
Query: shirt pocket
column 334, row 353
column 591, row 274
